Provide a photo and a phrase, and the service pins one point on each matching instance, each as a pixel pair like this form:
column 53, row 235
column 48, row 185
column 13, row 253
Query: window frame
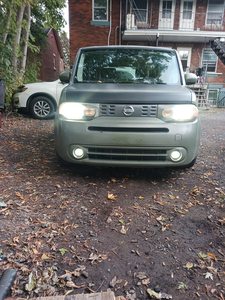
column 215, row 61
column 214, row 11
column 133, row 10
column 213, row 102
column 93, row 12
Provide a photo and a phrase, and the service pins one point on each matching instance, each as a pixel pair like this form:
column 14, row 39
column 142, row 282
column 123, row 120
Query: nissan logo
column 128, row 111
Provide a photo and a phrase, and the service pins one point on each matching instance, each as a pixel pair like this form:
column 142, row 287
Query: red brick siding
column 47, row 71
column 83, row 34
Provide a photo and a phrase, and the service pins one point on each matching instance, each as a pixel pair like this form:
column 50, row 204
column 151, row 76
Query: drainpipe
column 120, row 22
column 110, row 22
column 125, row 21
column 116, row 34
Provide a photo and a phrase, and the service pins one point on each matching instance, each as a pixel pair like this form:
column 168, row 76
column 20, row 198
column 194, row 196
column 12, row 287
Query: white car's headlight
column 77, row 111
column 178, row 113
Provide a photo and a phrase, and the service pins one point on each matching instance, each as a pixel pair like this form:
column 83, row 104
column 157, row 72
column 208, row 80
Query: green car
column 127, row 106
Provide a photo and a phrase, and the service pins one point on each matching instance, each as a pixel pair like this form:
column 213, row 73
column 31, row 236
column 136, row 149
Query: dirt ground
column 69, row 230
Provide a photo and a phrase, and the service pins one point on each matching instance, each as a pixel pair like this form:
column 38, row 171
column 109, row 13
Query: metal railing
column 187, row 20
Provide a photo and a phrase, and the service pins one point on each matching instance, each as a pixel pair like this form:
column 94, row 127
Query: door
column 185, row 57
column 187, row 14
column 166, row 14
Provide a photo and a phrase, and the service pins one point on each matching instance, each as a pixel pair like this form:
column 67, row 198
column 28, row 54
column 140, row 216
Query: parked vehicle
column 127, row 106
column 39, row 99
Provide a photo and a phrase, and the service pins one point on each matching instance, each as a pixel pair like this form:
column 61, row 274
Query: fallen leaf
column 45, row 256
column 203, row 255
column 63, row 251
column 123, row 230
column 212, row 256
column 111, row 197
column 31, row 283
column 208, row 275
column 189, row 265
column 153, row 294
column 145, row 281
column 182, row 286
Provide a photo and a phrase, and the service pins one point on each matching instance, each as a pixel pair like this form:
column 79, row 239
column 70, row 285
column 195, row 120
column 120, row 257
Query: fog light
column 176, row 155
column 78, row 153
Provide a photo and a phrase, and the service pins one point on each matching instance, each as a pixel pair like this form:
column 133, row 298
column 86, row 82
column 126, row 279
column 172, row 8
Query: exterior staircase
column 218, row 47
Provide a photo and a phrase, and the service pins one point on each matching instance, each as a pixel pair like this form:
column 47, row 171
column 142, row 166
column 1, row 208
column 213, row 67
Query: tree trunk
column 16, row 42
column 6, row 28
column 25, row 38
column 8, row 18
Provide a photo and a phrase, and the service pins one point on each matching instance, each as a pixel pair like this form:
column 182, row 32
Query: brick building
column 187, row 26
column 51, row 57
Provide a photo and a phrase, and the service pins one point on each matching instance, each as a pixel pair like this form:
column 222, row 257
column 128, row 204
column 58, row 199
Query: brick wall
column 83, row 34
column 51, row 58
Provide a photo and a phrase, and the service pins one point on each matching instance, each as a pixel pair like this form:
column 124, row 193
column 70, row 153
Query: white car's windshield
column 128, row 66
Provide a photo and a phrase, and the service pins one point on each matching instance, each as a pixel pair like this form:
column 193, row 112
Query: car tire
column 42, row 108
column 61, row 161
column 191, row 164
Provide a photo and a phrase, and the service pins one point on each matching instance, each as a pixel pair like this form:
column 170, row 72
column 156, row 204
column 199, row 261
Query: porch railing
column 187, row 20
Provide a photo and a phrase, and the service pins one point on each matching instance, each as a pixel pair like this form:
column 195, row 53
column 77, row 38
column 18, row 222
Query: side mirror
column 65, row 76
column 190, row 78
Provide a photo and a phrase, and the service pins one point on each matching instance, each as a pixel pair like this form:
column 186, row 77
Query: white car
column 39, row 99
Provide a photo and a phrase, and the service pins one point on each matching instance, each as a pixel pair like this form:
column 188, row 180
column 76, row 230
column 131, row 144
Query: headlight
column 77, row 111
column 178, row 113
column 21, row 89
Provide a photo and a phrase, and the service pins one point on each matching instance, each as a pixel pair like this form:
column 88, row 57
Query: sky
column 65, row 14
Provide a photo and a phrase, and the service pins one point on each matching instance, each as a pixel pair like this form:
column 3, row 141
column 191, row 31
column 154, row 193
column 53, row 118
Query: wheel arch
column 50, row 97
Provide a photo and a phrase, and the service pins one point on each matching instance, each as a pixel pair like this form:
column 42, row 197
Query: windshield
column 128, row 66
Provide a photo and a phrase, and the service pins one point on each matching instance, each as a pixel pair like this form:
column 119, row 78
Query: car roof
column 128, row 47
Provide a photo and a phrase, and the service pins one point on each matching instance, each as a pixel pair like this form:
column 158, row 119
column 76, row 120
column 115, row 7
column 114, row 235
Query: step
column 95, row 296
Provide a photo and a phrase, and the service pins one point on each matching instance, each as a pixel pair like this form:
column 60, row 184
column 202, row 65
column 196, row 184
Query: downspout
column 110, row 22
column 125, row 20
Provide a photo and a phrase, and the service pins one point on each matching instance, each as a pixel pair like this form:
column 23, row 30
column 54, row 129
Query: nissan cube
column 127, row 106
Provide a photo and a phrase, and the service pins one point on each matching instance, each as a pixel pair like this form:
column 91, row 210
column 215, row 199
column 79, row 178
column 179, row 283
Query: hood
column 42, row 83
column 127, row 93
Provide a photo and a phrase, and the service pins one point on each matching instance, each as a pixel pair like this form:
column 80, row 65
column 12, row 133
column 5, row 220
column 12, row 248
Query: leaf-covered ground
column 141, row 232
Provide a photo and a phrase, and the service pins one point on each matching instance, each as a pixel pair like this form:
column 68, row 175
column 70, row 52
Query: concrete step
column 96, row 296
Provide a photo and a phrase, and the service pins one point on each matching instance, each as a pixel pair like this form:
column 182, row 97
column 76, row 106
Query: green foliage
column 44, row 13
column 66, row 50
column 31, row 73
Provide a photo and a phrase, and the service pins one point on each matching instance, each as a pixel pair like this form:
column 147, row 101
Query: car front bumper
column 133, row 142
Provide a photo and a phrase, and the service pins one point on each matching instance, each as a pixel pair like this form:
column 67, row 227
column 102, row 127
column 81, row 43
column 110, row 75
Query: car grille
column 115, row 110
column 114, row 154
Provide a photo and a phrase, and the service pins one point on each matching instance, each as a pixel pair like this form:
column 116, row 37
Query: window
column 54, row 61
column 128, row 66
column 61, row 65
column 212, row 97
column 139, row 9
column 167, row 9
column 187, row 10
column 100, row 10
column 209, row 60
column 215, row 12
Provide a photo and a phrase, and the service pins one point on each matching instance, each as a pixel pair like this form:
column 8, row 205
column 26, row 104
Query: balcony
column 172, row 27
